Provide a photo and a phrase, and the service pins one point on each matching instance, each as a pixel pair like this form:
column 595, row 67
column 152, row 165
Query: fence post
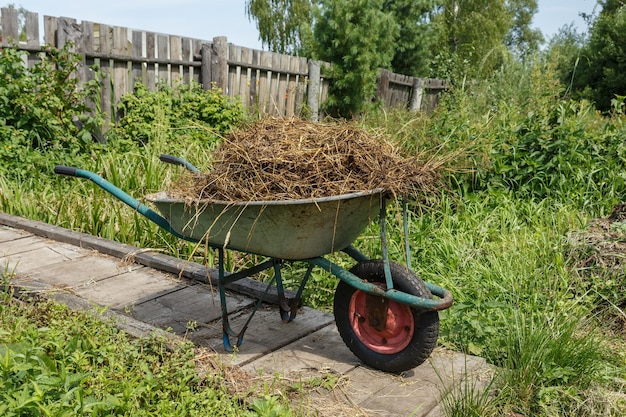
column 416, row 96
column 219, row 63
column 313, row 91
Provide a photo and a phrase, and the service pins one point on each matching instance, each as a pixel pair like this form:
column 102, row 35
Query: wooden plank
column 131, row 288
column 137, row 68
column 50, row 30
column 381, row 394
column 292, row 86
column 313, row 90
column 246, row 77
column 234, row 71
column 265, row 83
column 255, row 76
column 128, row 324
column 176, row 73
column 10, row 27
column 120, row 67
column 220, row 66
column 162, row 46
column 87, row 47
column 196, row 47
column 151, row 69
column 281, row 97
column 195, row 303
column 301, row 87
column 267, row 333
column 105, row 47
column 186, row 55
column 274, row 100
column 31, row 28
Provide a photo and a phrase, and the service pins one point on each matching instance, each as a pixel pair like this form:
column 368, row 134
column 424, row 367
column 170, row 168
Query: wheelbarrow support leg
column 223, row 280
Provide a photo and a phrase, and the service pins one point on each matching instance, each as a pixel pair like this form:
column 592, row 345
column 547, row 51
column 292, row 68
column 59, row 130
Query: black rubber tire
column 426, row 324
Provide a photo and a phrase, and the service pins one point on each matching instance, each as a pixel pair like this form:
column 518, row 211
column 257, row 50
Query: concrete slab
column 84, row 270
column 20, row 245
column 24, row 260
column 126, row 290
column 319, row 351
column 266, row 332
column 8, row 234
column 190, row 305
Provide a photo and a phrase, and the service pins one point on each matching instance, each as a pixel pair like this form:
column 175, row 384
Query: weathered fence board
column 265, row 82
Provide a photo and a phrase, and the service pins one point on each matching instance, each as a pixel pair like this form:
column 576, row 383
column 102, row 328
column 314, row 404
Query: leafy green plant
column 268, row 407
column 57, row 362
column 184, row 113
column 38, row 109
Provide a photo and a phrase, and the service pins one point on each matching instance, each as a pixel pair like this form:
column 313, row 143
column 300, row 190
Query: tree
column 602, row 67
column 357, row 37
column 415, row 45
column 523, row 40
column 472, row 34
column 564, row 51
column 283, row 24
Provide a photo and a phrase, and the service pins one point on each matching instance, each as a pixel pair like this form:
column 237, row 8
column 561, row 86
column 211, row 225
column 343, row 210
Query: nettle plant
column 39, row 106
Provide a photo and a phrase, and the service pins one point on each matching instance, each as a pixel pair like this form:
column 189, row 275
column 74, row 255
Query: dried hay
column 282, row 159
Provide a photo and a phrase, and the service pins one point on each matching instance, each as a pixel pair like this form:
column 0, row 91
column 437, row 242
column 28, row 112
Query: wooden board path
column 152, row 293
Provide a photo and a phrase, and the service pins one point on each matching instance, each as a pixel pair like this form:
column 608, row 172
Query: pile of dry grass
column 281, row 159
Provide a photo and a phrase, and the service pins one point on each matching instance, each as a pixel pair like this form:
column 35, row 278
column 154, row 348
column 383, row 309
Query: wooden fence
column 267, row 82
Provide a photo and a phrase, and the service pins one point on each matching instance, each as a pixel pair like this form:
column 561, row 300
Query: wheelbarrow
column 385, row 314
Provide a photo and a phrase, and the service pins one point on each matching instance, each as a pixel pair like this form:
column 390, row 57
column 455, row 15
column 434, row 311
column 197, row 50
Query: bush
column 38, row 109
column 174, row 113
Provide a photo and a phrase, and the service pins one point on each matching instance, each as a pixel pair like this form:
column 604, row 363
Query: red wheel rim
column 397, row 332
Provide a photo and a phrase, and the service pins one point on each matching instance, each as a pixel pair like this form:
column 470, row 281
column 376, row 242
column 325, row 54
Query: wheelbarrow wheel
column 404, row 339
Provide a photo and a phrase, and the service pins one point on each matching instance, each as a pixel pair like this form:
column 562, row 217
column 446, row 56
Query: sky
column 205, row 19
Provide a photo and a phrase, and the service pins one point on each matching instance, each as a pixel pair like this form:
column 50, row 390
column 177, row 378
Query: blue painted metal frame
column 287, row 313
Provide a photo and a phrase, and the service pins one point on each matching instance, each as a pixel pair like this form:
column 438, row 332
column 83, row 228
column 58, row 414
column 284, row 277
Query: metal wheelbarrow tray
column 289, row 229
column 384, row 312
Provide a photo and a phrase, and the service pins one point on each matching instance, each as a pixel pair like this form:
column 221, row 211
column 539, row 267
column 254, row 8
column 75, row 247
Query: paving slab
column 266, row 332
column 182, row 310
column 307, row 356
column 82, row 271
column 124, row 291
column 30, row 253
column 21, row 244
column 7, row 234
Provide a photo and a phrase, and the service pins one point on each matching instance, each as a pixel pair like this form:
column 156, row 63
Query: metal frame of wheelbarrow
column 288, row 308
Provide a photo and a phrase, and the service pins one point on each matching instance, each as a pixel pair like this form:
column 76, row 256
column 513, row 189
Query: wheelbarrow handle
column 120, row 195
column 175, row 160
column 64, row 170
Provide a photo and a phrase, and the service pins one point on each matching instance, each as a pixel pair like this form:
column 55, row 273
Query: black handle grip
column 63, row 170
column 172, row 159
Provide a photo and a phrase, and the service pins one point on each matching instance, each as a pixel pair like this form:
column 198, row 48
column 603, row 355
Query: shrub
column 39, row 106
column 173, row 113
